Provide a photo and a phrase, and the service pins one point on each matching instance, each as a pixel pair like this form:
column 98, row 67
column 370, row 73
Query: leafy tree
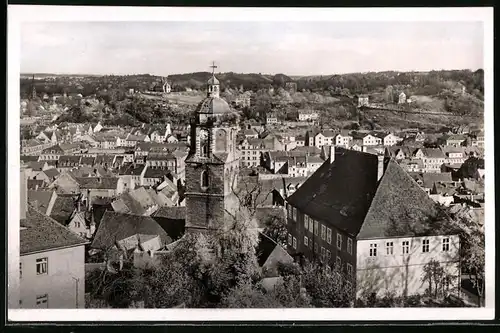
column 276, row 229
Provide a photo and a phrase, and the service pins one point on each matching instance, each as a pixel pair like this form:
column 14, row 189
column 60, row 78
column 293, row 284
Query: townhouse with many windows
column 365, row 216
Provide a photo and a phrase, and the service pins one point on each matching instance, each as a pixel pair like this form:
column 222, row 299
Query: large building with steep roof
column 365, row 216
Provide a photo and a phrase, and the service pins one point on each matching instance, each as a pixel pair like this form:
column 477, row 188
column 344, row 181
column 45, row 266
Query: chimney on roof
column 331, row 157
column 380, row 167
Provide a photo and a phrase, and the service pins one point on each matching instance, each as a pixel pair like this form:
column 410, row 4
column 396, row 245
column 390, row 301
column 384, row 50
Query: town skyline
column 102, row 48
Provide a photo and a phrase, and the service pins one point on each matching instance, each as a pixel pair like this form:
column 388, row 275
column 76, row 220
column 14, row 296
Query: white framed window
column 349, row 245
column 316, row 228
column 328, row 255
column 323, row 232
column 389, row 248
column 338, row 263
column 349, row 269
column 42, row 301
column 294, row 213
column 311, row 225
column 339, row 241
column 306, row 222
column 446, row 244
column 289, row 211
column 406, row 247
column 42, row 266
column 306, row 241
column 329, row 235
column 425, row 245
column 289, row 239
column 373, row 250
column 294, row 243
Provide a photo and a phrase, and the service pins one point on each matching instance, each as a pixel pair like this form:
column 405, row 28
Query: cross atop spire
column 213, row 67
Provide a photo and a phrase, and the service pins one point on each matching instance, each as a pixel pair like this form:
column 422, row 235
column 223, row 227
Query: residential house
column 300, row 140
column 378, row 228
column 455, row 140
column 252, row 149
column 433, row 159
column 371, row 140
column 95, row 187
column 65, row 183
column 271, row 118
column 68, row 162
column 363, row 100
column 343, row 139
column 429, row 179
column 325, row 138
column 391, row 139
column 53, row 153
column 34, row 147
column 307, row 115
column 402, row 98
column 250, row 133
column 154, row 176
column 51, row 263
column 420, row 137
column 454, row 155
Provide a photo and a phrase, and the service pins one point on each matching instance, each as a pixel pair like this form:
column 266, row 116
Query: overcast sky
column 293, row 48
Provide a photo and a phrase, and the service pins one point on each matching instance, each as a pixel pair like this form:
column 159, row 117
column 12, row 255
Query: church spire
column 213, row 83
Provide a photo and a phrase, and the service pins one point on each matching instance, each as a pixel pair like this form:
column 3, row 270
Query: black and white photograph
column 193, row 159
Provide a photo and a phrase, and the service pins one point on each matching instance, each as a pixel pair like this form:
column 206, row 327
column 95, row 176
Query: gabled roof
column 131, row 169
column 69, row 159
column 36, row 166
column 87, row 160
column 109, row 183
column 51, row 173
column 400, row 208
column 64, row 206
column 156, row 173
column 34, row 184
column 433, row 153
column 29, row 158
column 340, row 192
column 43, row 233
column 115, row 227
column 136, row 202
column 430, row 178
column 42, row 199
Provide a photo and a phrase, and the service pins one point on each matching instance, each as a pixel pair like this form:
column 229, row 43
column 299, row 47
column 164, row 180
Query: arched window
column 220, row 140
column 204, row 179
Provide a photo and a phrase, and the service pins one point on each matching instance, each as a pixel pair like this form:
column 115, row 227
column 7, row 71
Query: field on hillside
column 178, row 98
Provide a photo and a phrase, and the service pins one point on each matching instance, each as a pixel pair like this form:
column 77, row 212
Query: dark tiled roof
column 156, row 173
column 340, row 192
column 29, row 158
column 117, row 226
column 430, row 178
column 109, row 183
column 36, row 166
column 63, row 208
column 41, row 197
column 52, row 173
column 69, row 159
column 131, row 169
column 34, row 184
column 43, row 233
column 87, row 160
column 173, row 213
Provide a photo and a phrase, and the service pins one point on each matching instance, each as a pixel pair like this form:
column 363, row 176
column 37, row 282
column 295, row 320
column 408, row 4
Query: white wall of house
column 401, row 271
column 58, row 283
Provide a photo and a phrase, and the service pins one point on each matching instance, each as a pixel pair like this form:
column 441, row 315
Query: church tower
column 212, row 165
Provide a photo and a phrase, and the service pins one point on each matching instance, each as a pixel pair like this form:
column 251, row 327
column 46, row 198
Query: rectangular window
column 425, row 245
column 294, row 243
column 328, row 255
column 316, row 228
column 446, row 244
column 339, row 241
column 306, row 241
column 311, row 225
column 406, row 247
column 322, row 254
column 294, row 213
column 289, row 239
column 338, row 263
column 349, row 269
column 41, row 266
column 306, row 222
column 349, row 245
column 315, row 247
column 42, row 301
column 323, row 232
column 373, row 250
column 389, row 248
column 329, row 236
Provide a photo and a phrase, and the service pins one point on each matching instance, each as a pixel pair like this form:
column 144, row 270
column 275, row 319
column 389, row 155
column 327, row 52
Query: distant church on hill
column 212, row 165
